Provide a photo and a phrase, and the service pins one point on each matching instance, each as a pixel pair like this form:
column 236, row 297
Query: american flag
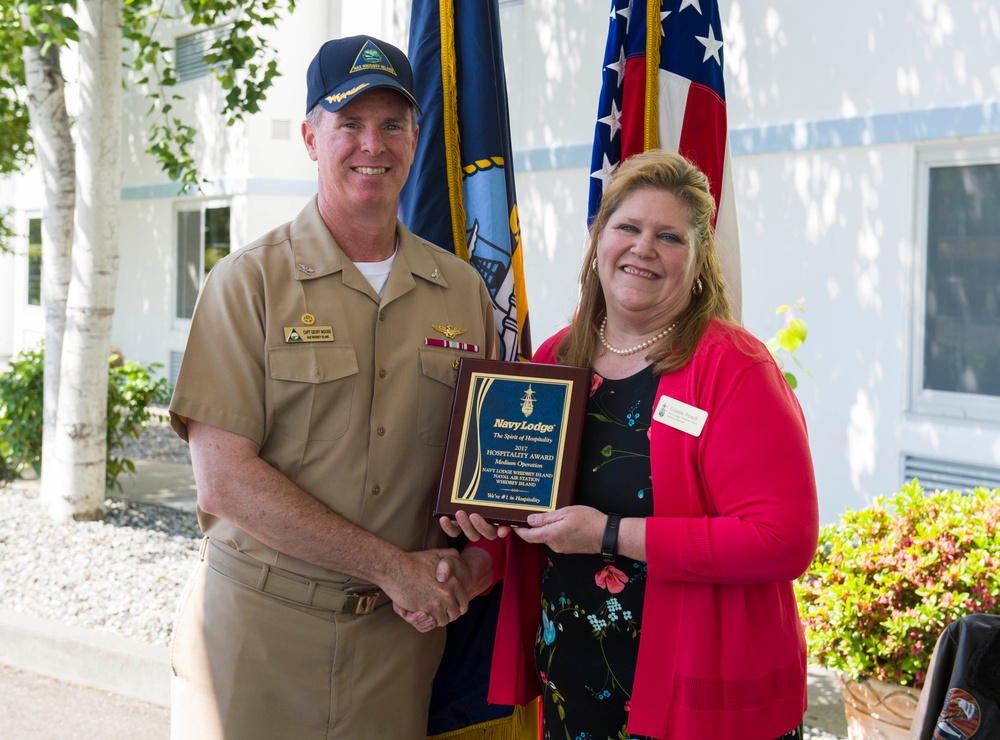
column 663, row 88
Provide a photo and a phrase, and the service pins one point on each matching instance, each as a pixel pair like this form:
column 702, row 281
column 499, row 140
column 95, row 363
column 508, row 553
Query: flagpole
column 651, row 137
column 452, row 150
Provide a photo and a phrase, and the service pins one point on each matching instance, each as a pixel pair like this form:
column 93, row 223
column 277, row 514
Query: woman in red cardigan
column 660, row 605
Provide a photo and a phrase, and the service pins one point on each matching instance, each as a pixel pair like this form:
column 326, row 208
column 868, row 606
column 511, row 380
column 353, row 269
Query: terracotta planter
column 877, row 710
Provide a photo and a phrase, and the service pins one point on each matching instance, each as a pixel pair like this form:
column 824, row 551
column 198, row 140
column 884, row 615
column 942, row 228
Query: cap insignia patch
column 371, row 58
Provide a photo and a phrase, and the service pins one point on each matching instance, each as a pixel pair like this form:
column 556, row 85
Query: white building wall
column 8, row 265
column 26, row 324
column 831, row 107
column 830, row 210
column 258, row 167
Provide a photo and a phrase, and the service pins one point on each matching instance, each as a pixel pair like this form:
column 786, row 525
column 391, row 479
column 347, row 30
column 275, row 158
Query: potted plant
column 885, row 581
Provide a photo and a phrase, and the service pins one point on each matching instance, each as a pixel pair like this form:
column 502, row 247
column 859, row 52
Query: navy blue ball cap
column 345, row 68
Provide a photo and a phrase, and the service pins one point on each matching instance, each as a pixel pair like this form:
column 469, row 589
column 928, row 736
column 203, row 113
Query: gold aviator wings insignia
column 449, row 331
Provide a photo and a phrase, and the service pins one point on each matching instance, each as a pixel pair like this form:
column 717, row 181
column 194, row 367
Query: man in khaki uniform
column 315, row 393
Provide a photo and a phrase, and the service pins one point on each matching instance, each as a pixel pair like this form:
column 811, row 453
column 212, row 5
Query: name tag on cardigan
column 680, row 415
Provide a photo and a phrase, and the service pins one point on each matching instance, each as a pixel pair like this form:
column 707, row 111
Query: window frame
column 28, row 260
column 199, row 207
column 926, row 402
column 190, row 67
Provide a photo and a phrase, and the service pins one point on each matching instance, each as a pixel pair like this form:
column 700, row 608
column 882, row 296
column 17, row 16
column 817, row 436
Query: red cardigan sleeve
column 738, row 504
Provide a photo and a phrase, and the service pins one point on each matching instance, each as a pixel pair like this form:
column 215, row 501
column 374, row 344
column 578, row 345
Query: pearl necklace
column 636, row 348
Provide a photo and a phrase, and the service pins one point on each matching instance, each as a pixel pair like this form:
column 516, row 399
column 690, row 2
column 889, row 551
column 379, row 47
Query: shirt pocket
column 312, row 390
column 435, row 393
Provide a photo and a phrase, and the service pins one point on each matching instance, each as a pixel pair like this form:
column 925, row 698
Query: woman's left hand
column 573, row 529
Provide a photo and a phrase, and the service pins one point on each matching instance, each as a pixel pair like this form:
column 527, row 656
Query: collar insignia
column 449, row 331
column 305, row 269
column 436, row 274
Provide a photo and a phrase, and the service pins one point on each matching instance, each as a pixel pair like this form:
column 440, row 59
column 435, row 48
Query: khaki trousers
column 248, row 665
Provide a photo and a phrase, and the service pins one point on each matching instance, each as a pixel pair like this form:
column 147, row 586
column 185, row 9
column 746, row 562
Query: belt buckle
column 365, row 603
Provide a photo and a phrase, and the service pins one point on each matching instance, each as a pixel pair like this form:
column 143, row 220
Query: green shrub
column 21, row 415
column 132, row 390
column 887, row 579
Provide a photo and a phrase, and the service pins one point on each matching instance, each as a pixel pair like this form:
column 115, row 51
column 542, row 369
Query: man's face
column 364, row 151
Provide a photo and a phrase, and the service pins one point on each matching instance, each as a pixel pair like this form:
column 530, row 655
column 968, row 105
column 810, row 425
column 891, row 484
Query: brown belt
column 286, row 585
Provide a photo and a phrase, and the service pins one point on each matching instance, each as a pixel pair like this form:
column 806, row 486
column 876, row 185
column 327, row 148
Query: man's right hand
column 417, row 589
column 472, row 571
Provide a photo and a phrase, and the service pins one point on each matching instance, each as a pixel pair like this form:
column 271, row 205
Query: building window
column 958, row 342
column 203, row 238
column 34, row 262
column 191, row 50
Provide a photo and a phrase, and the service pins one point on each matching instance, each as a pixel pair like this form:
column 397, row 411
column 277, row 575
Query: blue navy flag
column 460, row 193
column 663, row 89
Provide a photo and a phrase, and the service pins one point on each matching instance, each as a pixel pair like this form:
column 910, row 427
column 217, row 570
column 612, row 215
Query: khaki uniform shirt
column 358, row 420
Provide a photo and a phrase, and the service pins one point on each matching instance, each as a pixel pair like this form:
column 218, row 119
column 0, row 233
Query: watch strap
column 609, row 542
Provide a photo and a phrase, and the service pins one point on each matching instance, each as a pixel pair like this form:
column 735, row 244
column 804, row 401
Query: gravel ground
column 158, row 442
column 814, row 734
column 123, row 575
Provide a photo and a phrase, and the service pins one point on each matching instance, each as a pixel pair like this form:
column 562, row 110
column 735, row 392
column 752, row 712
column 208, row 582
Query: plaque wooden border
column 466, row 482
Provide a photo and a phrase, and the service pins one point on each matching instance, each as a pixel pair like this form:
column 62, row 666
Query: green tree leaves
column 16, row 149
column 240, row 57
column 787, row 340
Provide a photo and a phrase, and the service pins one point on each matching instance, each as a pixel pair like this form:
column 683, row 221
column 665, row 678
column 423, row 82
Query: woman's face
column 643, row 258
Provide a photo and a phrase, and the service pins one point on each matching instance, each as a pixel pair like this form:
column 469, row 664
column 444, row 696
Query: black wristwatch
column 609, row 543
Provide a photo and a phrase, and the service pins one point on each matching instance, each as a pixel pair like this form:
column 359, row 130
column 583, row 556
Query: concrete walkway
column 60, row 673
column 167, row 484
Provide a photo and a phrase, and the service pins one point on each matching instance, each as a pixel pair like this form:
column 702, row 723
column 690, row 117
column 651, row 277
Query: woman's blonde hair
column 655, row 170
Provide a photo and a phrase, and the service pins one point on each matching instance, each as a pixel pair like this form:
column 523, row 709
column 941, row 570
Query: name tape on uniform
column 295, row 334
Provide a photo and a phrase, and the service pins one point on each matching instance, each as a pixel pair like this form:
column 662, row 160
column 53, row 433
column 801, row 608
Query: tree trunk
column 56, row 155
column 81, row 423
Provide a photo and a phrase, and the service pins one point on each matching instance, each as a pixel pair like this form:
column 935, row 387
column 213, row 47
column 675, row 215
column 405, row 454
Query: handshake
column 441, row 584
column 445, row 580
column 438, row 584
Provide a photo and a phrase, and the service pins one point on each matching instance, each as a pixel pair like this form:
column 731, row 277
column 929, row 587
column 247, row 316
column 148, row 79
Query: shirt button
column 381, row 315
column 376, row 490
column 381, row 431
column 381, row 373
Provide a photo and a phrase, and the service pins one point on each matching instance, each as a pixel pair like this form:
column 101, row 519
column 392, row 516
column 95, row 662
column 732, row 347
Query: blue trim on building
column 568, row 156
column 261, row 186
column 222, row 189
column 978, row 119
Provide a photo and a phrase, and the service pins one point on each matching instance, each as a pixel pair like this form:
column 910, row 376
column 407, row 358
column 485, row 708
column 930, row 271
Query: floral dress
column 588, row 642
